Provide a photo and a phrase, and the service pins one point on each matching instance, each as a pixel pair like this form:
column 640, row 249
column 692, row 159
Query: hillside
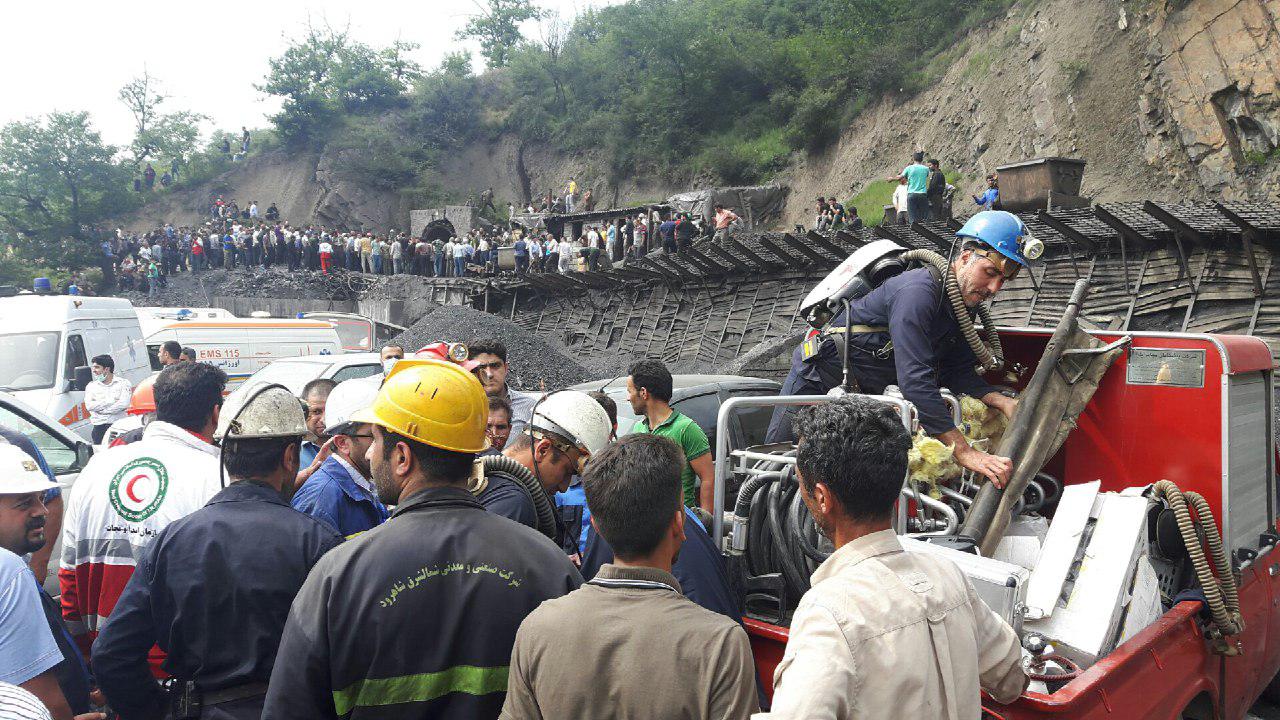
column 1165, row 100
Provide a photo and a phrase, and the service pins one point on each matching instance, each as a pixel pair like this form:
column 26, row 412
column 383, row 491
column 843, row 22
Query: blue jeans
column 377, row 264
column 917, row 207
column 439, row 265
column 459, row 267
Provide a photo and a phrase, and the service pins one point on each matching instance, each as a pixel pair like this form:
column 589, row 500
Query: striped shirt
column 18, row 704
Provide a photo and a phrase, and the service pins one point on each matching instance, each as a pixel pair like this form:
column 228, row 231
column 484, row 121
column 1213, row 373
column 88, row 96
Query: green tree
column 497, row 26
column 158, row 135
column 58, row 179
column 327, row 73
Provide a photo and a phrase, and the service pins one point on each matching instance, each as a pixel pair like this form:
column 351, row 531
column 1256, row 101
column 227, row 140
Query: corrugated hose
column 1220, row 589
column 541, row 503
column 990, row 354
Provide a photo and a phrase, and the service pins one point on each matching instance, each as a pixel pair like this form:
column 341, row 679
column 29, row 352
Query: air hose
column 990, row 354
column 525, row 479
column 1220, row 589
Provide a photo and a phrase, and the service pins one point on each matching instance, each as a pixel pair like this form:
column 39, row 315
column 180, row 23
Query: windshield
column 28, row 361
column 354, row 334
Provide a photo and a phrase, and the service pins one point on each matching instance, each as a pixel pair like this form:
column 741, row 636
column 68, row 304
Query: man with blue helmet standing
column 906, row 334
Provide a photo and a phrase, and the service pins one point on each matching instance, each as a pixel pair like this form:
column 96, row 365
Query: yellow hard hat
column 434, row 402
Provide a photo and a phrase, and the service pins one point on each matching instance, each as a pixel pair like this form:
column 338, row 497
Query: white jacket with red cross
column 123, row 499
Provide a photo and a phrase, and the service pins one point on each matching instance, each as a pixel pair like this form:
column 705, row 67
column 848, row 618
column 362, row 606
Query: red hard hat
column 144, row 397
column 449, row 352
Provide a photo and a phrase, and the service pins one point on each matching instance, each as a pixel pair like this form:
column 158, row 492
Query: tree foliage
column 158, row 135
column 327, row 74
column 683, row 88
column 57, row 179
column 496, row 25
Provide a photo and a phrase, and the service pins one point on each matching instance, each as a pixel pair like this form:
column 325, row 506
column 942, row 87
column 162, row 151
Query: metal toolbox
column 1001, row 585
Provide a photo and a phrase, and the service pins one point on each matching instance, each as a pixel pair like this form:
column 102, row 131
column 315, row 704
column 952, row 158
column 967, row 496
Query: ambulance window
column 60, row 456
column 75, row 356
column 153, row 354
column 351, row 372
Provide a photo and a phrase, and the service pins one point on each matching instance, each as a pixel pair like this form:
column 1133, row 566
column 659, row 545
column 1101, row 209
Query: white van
column 155, row 318
column 244, row 346
column 46, row 342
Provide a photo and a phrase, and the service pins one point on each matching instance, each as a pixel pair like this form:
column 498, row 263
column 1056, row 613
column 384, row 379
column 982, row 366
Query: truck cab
column 1191, row 408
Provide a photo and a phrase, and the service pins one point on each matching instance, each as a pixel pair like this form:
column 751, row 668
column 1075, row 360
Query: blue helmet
column 1002, row 230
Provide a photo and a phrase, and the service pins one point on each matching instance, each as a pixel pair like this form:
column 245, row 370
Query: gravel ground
column 535, row 363
column 195, row 288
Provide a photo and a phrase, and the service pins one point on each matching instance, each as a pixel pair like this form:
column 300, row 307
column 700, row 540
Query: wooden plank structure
column 1197, row 267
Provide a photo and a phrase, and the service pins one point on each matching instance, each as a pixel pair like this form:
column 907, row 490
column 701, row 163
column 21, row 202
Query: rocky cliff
column 1165, row 99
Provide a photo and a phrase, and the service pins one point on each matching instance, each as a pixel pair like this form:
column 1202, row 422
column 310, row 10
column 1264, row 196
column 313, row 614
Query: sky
column 75, row 55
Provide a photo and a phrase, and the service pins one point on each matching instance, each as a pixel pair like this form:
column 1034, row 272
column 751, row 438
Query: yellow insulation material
column 931, row 461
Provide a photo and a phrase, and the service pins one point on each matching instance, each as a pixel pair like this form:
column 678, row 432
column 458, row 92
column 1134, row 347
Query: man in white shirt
column 107, row 397
column 448, row 257
column 900, row 202
column 882, row 632
column 566, row 254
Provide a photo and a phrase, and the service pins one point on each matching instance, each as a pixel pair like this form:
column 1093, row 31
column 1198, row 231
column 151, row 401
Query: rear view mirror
column 84, row 451
column 83, row 376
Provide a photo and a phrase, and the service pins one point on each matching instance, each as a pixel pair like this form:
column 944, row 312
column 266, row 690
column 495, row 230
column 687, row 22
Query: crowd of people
column 923, row 193
column 334, row 554
column 340, row 553
column 241, row 237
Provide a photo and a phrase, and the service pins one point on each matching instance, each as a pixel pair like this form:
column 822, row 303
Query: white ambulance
column 243, row 346
column 46, row 342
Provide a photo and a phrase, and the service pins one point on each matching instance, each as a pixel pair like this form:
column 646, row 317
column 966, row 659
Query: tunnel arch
column 438, row 230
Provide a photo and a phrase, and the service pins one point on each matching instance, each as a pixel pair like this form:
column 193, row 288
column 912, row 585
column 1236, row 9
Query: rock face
column 1210, row 94
column 304, row 186
column 1167, row 99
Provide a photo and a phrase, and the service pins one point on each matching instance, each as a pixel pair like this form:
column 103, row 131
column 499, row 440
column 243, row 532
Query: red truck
column 1197, row 410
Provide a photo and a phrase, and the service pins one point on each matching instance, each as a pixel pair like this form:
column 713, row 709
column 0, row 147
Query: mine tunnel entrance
column 438, row 230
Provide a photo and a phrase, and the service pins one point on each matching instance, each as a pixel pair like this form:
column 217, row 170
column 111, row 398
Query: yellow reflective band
column 420, row 688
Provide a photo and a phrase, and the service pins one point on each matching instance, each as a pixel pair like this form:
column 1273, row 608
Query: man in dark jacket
column 906, row 333
column 214, row 589
column 417, row 617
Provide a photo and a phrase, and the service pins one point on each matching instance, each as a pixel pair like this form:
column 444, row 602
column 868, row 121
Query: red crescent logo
column 128, row 488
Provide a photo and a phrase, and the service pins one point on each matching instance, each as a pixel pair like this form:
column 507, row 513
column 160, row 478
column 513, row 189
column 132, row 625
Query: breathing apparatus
column 1005, row 242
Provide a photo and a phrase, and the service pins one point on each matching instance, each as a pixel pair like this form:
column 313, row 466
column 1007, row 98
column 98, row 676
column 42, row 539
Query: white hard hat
column 575, row 416
column 349, row 397
column 20, row 473
column 267, row 411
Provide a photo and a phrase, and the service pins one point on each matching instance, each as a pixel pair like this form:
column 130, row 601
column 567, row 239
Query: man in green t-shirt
column 917, row 177
column 649, row 391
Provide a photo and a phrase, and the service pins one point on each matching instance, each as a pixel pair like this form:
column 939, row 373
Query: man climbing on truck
column 905, row 333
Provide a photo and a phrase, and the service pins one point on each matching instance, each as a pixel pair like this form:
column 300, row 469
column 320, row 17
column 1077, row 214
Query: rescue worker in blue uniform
column 340, row 493
column 907, row 334
column 214, row 589
column 417, row 617
column 564, row 430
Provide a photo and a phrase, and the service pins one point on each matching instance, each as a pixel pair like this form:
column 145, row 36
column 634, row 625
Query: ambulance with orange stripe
column 243, row 346
column 46, row 342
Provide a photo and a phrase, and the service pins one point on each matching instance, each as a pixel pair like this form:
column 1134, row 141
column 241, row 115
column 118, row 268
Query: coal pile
column 195, row 289
column 535, row 363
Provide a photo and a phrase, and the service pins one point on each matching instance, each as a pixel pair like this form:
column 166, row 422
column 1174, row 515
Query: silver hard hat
column 267, row 411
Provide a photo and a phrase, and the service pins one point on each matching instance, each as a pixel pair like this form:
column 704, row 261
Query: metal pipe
column 988, row 516
column 957, row 496
column 751, row 455
column 922, row 500
column 728, row 407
